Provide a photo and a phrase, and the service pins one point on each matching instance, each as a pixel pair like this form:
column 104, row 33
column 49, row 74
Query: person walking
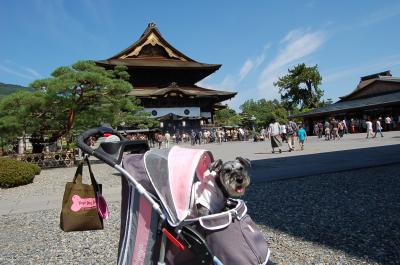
column 335, row 129
column 167, row 138
column 388, row 123
column 159, row 139
column 368, row 123
column 302, row 135
column 219, row 136
column 345, row 127
column 199, row 136
column 193, row 137
column 320, row 129
column 283, row 132
column 327, row 131
column 263, row 133
column 291, row 130
column 378, row 127
column 340, row 129
column 316, row 128
column 274, row 133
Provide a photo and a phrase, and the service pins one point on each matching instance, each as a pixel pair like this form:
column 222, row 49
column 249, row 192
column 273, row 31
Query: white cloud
column 13, row 72
column 363, row 68
column 232, row 81
column 64, row 25
column 14, row 69
column 298, row 44
column 246, row 68
column 33, row 72
column 387, row 12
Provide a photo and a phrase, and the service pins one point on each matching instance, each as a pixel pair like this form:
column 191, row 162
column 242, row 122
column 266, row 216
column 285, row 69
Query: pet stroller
column 156, row 207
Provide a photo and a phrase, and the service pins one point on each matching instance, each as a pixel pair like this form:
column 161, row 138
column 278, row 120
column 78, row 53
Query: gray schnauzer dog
column 222, row 181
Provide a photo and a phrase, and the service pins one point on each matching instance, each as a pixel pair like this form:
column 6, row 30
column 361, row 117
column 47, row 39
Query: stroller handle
column 109, row 152
column 99, row 131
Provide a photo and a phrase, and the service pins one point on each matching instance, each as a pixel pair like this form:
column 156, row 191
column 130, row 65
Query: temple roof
column 143, row 63
column 373, row 91
column 175, row 90
column 152, row 50
column 366, row 82
column 355, row 104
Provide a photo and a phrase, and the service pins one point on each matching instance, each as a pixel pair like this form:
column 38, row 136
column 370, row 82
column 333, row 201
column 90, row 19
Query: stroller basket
column 156, row 205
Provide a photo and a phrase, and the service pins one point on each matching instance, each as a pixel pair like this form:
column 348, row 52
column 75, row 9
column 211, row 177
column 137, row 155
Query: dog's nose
column 239, row 180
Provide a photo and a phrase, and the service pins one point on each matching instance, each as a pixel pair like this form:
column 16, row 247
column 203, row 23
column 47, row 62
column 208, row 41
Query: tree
column 227, row 117
column 17, row 112
column 300, row 88
column 264, row 111
column 85, row 95
column 74, row 99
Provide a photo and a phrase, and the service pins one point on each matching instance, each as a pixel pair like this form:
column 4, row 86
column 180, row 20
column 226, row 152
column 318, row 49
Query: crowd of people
column 333, row 129
column 330, row 129
column 198, row 137
column 278, row 134
column 289, row 132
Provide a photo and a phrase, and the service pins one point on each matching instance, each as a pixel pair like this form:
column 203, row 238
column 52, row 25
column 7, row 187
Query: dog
column 220, row 182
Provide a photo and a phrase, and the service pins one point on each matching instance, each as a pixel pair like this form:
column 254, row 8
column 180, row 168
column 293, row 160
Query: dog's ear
column 244, row 161
column 215, row 166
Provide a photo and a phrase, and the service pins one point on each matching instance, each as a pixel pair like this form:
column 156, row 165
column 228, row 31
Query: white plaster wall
column 205, row 114
column 194, row 111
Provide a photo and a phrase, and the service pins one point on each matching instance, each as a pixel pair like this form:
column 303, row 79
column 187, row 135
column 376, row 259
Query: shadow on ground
column 357, row 211
column 313, row 164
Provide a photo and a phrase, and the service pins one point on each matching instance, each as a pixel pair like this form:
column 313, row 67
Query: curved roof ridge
column 152, row 29
column 366, row 81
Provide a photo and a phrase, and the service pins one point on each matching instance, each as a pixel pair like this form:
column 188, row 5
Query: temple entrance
column 175, row 123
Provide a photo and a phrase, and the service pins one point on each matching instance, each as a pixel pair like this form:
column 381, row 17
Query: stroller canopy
column 172, row 172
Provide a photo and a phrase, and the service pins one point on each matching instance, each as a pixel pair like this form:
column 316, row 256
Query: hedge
column 14, row 173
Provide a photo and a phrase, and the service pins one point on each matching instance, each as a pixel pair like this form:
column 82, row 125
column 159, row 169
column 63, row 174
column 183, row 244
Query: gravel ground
column 51, row 182
column 341, row 218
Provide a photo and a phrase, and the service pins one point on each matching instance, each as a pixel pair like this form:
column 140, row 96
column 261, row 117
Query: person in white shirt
column 283, row 132
column 241, row 134
column 388, row 123
column 378, row 127
column 368, row 123
column 167, row 137
column 274, row 133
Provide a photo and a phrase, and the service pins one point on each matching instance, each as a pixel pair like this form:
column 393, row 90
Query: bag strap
column 92, row 178
column 78, row 173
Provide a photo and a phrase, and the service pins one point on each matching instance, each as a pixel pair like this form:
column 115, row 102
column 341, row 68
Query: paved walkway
column 319, row 156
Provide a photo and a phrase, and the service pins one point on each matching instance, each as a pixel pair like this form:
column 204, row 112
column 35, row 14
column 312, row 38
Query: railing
column 49, row 159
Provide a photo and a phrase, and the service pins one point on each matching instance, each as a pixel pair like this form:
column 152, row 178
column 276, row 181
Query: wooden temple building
column 376, row 95
column 164, row 79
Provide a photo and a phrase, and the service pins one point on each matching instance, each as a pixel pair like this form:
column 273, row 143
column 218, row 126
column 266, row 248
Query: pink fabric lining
column 183, row 163
column 143, row 226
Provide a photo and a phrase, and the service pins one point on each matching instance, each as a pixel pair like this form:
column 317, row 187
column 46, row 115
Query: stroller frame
column 136, row 193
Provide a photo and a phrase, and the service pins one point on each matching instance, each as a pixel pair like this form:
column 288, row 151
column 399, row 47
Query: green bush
column 15, row 173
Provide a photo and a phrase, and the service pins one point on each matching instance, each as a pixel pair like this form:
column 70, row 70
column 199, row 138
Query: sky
column 255, row 41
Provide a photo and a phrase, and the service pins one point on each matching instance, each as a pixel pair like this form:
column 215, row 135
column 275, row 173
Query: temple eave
column 194, row 92
column 132, row 63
